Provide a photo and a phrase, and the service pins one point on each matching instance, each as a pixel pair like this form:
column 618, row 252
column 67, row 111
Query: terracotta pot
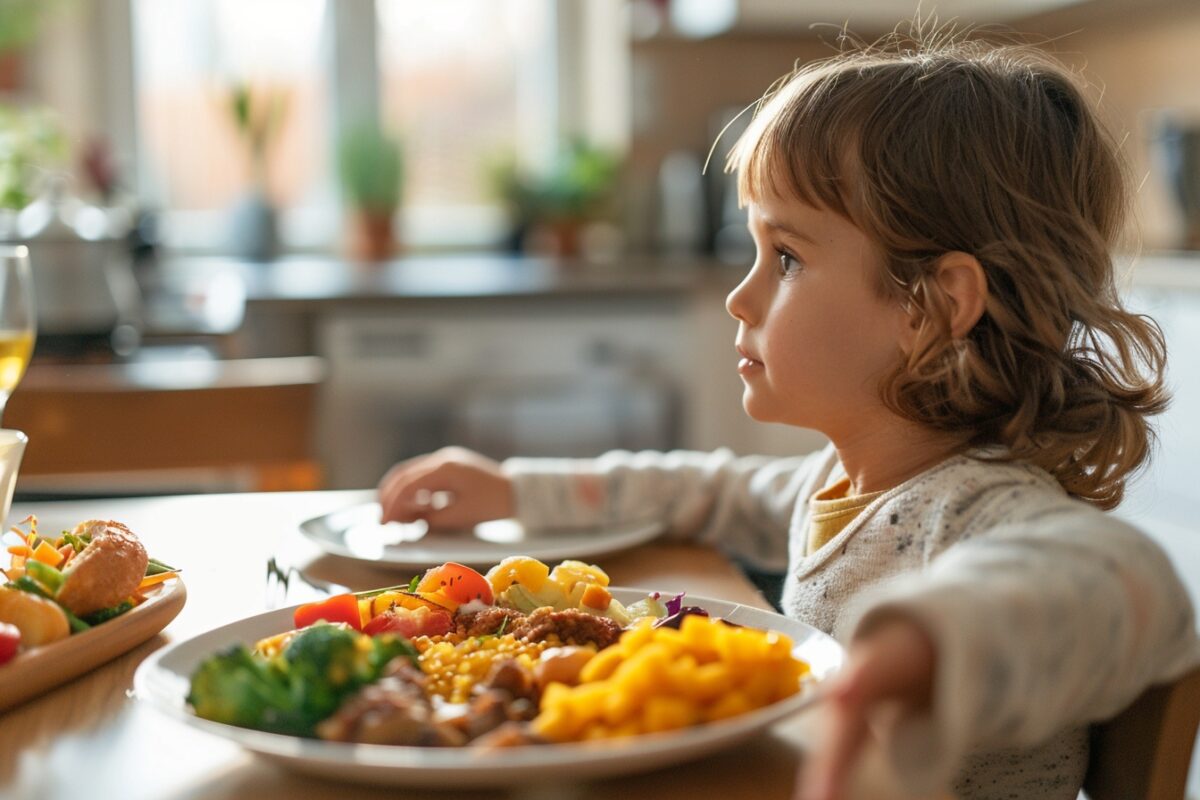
column 561, row 238
column 370, row 236
column 12, row 70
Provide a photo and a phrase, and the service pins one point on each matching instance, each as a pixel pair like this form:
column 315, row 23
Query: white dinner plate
column 355, row 532
column 162, row 681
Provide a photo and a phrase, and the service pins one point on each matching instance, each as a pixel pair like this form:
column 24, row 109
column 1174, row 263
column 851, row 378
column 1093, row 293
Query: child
column 934, row 292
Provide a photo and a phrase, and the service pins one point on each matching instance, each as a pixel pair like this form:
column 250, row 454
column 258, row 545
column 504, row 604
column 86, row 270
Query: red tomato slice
column 457, row 582
column 339, row 608
column 409, row 623
column 10, row 642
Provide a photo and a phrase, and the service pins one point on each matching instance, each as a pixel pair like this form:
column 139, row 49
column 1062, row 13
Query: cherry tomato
column 409, row 622
column 339, row 608
column 456, row 582
column 10, row 642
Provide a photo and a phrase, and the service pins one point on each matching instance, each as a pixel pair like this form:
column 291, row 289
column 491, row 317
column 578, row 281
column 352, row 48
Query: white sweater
column 1047, row 614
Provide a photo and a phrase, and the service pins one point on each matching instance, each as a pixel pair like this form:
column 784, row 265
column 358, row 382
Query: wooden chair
column 180, row 425
column 1144, row 752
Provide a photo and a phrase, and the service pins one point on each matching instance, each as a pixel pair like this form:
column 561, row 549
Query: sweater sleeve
column 741, row 504
column 1039, row 627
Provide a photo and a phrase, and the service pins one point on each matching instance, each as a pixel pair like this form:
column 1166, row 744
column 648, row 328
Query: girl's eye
column 787, row 263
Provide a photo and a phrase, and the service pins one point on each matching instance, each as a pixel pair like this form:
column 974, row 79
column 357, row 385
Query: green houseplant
column 371, row 163
column 578, row 188
column 31, row 142
column 20, row 23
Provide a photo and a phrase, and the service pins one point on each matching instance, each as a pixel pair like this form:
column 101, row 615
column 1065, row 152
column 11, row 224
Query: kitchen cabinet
column 505, row 355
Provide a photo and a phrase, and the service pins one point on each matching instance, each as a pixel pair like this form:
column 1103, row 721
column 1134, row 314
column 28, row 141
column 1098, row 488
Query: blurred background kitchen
column 281, row 244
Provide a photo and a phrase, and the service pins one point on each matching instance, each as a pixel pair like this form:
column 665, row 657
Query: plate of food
column 357, row 533
column 461, row 679
column 74, row 601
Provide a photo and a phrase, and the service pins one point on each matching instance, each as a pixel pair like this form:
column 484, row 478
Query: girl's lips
column 747, row 365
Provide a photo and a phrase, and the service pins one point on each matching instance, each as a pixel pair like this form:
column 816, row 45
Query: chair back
column 1144, row 752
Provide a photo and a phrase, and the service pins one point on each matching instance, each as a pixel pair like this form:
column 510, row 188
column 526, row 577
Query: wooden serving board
column 44, row 668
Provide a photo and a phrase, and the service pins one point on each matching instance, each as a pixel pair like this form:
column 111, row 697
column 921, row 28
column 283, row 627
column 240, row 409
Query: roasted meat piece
column 396, row 710
column 107, row 571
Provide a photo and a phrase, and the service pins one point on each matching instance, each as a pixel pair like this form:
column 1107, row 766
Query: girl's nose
column 738, row 302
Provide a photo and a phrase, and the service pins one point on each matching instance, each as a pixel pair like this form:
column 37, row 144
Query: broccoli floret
column 324, row 664
column 328, row 663
column 388, row 646
column 321, row 667
column 105, row 614
column 238, row 688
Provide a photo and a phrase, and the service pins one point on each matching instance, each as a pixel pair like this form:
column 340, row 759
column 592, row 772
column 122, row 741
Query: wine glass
column 18, row 320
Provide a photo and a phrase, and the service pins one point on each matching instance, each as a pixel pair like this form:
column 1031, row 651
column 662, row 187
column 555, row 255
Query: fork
column 287, row 584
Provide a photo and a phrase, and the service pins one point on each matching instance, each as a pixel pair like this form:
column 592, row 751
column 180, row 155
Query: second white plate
column 356, row 533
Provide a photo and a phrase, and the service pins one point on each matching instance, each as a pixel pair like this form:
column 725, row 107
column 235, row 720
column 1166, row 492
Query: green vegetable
column 291, row 693
column 105, row 614
column 326, row 664
column 238, row 688
column 412, row 585
column 28, row 584
column 156, row 567
column 76, row 542
column 77, row 625
column 46, row 575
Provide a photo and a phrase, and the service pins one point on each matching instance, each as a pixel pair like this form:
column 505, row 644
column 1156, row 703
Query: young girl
column 933, row 291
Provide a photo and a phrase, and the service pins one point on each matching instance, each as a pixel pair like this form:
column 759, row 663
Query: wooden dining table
column 91, row 738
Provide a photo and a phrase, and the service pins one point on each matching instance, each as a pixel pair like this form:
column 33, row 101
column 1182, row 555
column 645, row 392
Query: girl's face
column 814, row 337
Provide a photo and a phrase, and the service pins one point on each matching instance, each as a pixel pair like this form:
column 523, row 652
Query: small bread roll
column 106, row 572
column 39, row 620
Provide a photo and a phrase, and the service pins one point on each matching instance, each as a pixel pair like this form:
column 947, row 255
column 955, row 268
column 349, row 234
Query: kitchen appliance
column 86, row 295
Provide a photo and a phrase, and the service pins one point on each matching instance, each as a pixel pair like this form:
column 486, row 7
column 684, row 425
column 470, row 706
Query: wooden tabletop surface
column 91, row 740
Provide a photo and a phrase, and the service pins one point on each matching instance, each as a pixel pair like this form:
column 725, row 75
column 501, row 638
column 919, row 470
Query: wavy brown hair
column 990, row 150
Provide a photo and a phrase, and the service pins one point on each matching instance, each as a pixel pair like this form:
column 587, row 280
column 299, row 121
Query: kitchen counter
column 210, row 295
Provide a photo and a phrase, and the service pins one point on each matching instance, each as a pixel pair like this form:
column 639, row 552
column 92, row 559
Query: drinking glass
column 18, row 319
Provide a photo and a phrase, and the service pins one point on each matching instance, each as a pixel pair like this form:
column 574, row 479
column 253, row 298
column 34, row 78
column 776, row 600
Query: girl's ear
column 961, row 278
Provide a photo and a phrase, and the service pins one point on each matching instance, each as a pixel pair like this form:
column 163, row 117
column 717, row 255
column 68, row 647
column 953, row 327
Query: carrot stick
column 151, row 580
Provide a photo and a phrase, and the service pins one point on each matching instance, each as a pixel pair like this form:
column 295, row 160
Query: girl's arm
column 1035, row 628
column 741, row 504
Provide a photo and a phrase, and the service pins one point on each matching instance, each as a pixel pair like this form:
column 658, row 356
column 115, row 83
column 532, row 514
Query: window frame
column 588, row 68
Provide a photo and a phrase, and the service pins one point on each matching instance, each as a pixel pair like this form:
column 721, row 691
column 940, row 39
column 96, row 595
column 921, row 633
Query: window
column 189, row 55
column 463, row 83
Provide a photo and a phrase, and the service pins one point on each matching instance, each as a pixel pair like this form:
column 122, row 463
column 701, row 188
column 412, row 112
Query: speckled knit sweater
column 1047, row 614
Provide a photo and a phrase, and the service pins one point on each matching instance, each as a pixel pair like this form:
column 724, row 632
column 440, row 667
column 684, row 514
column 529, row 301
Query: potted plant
column 20, row 22
column 31, row 142
column 258, row 116
column 371, row 163
column 555, row 206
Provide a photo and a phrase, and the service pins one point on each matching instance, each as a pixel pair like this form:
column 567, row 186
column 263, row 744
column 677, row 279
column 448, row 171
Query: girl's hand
column 452, row 488
column 891, row 664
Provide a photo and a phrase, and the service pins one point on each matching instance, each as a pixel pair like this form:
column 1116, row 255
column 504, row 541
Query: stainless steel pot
column 84, row 285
